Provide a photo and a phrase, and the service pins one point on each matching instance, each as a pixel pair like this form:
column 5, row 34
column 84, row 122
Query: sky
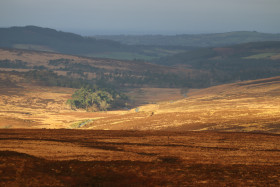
column 97, row 17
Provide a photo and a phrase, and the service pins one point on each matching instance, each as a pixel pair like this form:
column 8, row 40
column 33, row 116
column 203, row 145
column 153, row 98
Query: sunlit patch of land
column 251, row 106
column 25, row 105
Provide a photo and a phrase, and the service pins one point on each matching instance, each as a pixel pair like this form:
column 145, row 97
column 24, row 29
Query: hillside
column 233, row 63
column 193, row 40
column 117, row 73
column 63, row 157
column 46, row 39
column 51, row 40
column 251, row 106
column 268, row 50
column 35, row 86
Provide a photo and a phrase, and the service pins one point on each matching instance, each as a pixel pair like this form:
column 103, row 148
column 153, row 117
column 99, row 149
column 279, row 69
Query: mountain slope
column 194, row 40
column 46, row 39
column 233, row 63
column 37, row 38
column 251, row 106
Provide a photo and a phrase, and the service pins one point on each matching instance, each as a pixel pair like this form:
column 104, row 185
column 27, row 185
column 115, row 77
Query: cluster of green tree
column 91, row 100
column 80, row 68
column 13, row 64
column 59, row 61
column 41, row 67
column 50, row 78
column 146, row 78
column 18, row 64
column 74, row 68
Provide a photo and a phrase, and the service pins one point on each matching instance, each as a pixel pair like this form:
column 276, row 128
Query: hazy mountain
column 37, row 38
column 45, row 39
column 194, row 40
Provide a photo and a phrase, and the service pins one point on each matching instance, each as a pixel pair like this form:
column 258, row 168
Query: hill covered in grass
column 249, row 106
column 233, row 63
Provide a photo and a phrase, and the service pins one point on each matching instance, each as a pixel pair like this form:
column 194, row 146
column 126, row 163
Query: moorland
column 188, row 116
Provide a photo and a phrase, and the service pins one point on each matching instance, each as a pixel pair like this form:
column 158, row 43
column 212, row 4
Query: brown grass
column 141, row 158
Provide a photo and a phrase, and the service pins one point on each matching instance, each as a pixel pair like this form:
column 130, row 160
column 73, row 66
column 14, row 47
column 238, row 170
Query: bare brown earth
column 137, row 158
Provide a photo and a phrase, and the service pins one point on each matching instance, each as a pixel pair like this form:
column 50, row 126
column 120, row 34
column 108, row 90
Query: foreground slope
column 41, row 157
column 244, row 106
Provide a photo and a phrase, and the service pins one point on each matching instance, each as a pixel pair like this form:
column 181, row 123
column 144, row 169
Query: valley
column 251, row 106
column 178, row 116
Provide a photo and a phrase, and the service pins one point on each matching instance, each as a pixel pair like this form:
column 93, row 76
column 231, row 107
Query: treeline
column 13, row 64
column 122, row 78
column 70, row 66
column 230, row 64
column 148, row 78
column 50, row 78
column 19, row 64
column 221, row 71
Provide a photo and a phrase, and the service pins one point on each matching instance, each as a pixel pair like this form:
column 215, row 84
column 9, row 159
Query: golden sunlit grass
column 247, row 106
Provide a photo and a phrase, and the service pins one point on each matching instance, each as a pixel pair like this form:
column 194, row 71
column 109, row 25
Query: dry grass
column 30, row 106
column 246, row 107
column 249, row 106
column 141, row 158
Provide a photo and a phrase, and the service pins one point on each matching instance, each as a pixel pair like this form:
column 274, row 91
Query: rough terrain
column 138, row 158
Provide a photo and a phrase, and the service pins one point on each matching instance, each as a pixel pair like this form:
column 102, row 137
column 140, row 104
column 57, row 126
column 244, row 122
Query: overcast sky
column 90, row 17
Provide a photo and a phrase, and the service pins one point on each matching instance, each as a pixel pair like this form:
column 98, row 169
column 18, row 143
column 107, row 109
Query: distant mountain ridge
column 46, row 39
column 36, row 38
column 194, row 40
column 144, row 48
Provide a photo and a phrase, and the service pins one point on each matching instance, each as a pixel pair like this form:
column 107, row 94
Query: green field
column 261, row 56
